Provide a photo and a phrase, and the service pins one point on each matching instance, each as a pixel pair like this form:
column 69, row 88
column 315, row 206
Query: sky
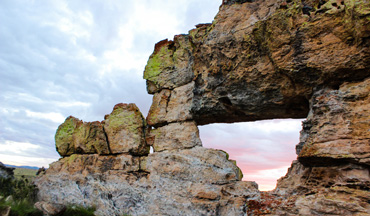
column 74, row 57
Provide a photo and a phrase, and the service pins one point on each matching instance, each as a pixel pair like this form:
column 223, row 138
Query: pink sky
column 263, row 150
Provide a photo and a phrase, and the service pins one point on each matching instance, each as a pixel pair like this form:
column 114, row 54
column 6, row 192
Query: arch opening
column 263, row 150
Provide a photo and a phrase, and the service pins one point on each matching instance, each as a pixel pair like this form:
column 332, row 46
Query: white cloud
column 52, row 116
column 17, row 147
column 70, row 57
column 26, row 161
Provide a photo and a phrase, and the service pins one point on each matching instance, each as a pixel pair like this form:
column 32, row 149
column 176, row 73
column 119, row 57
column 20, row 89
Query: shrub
column 23, row 197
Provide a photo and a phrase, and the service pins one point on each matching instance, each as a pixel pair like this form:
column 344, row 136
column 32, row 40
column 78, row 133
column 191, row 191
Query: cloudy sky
column 80, row 58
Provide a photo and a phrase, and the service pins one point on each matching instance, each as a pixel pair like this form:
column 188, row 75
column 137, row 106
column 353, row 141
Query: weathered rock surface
column 166, row 182
column 258, row 60
column 171, row 106
column 181, row 135
column 125, row 128
column 339, row 129
column 258, row 56
column 76, row 136
column 122, row 131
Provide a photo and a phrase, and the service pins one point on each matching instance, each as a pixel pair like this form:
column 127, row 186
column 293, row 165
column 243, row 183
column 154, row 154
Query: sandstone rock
column 339, row 129
column 64, row 136
column 125, row 128
column 325, row 190
column 76, row 136
column 50, row 209
column 274, row 58
column 184, row 164
column 171, row 106
column 180, row 135
column 116, row 185
column 93, row 163
column 170, row 64
column 89, row 138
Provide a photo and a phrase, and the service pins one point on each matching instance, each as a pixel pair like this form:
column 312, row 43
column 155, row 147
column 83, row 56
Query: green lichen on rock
column 125, row 130
column 120, row 118
column 64, row 136
column 89, row 138
column 158, row 62
column 358, row 7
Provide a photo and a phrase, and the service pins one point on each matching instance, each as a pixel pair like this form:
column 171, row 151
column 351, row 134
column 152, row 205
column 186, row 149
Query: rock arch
column 257, row 60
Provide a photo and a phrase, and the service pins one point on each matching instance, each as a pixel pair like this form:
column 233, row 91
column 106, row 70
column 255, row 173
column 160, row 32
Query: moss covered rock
column 64, row 136
column 125, row 128
column 89, row 138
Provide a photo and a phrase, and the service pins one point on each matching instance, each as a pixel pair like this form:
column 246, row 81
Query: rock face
column 122, row 131
column 180, row 177
column 258, row 60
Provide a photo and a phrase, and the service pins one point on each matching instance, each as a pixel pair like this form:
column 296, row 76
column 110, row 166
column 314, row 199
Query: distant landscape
column 27, row 172
column 25, row 167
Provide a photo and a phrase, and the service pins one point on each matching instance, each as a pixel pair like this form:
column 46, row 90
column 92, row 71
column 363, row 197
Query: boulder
column 181, row 135
column 125, row 127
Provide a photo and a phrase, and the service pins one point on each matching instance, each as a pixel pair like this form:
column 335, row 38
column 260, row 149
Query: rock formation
column 258, row 60
column 107, row 165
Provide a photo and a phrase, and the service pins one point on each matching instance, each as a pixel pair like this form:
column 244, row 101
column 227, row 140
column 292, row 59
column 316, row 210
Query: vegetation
column 20, row 195
column 79, row 211
column 23, row 173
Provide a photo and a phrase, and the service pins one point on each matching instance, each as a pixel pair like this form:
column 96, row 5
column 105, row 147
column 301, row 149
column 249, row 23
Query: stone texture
column 64, row 136
column 339, row 126
column 125, row 128
column 330, row 190
column 89, row 138
column 256, row 56
column 50, row 208
column 168, row 184
column 171, row 106
column 76, row 136
column 180, row 135
column 93, row 163
column 184, row 164
column 170, row 64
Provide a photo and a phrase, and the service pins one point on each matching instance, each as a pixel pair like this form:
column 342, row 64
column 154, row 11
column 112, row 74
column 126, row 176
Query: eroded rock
column 64, row 136
column 340, row 126
column 76, row 136
column 182, row 135
column 125, row 128
column 184, row 165
column 171, row 105
column 258, row 60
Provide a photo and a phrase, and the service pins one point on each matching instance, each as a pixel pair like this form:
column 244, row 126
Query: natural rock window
column 258, row 60
column 263, row 150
